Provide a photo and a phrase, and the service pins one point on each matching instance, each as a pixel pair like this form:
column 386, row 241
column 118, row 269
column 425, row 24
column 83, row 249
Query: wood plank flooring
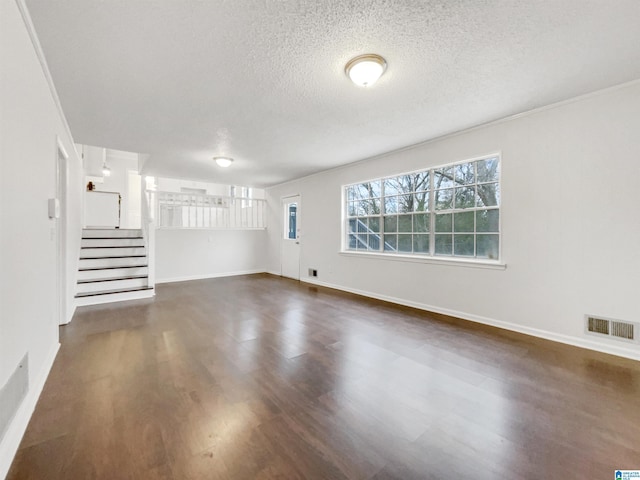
column 259, row 377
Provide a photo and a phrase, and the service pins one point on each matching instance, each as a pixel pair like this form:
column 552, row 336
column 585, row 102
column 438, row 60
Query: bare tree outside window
column 451, row 210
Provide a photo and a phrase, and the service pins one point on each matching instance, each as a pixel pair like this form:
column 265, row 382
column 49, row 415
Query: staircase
column 113, row 267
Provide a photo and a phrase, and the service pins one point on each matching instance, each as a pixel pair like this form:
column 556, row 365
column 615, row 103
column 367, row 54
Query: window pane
column 463, row 222
column 393, row 186
column 361, row 208
column 390, row 243
column 351, row 193
column 465, row 197
column 444, row 199
column 391, row 223
column 463, row 245
column 352, row 225
column 465, row 173
column 374, row 207
column 362, row 241
column 293, row 216
column 421, row 243
column 488, row 170
column 405, row 203
column 404, row 223
column 444, row 244
column 421, row 222
column 488, row 195
column 488, row 246
column 420, row 181
column 362, row 225
column 404, row 243
column 443, row 178
column 374, row 224
column 488, row 220
column 390, row 204
column 421, row 202
column 367, row 190
column 374, row 242
column 443, row 222
column 352, row 241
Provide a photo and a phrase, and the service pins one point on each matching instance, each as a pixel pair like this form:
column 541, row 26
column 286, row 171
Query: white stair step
column 109, row 297
column 113, row 262
column 113, row 242
column 110, row 233
column 101, row 252
column 103, row 274
column 112, row 284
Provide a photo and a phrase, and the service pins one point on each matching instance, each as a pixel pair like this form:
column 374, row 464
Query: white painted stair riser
column 112, row 285
column 114, row 297
column 111, row 233
column 111, row 252
column 113, row 262
column 112, row 273
column 112, row 242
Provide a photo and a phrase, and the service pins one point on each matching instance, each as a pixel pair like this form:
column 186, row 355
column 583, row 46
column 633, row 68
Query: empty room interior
column 319, row 240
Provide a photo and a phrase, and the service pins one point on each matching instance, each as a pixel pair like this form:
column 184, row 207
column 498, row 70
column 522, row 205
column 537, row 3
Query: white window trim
column 430, row 258
column 439, row 260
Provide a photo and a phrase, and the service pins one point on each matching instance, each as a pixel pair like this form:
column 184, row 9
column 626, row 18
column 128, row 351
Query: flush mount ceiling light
column 223, row 162
column 365, row 70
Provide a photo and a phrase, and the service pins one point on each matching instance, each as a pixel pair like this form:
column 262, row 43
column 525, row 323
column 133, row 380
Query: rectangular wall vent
column 13, row 393
column 616, row 329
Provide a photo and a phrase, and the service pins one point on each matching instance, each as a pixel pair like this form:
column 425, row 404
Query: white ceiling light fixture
column 223, row 162
column 106, row 171
column 365, row 70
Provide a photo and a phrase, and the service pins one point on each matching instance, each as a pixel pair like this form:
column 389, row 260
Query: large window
column 452, row 210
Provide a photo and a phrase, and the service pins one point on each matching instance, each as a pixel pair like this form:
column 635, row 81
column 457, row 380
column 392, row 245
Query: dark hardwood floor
column 258, row 377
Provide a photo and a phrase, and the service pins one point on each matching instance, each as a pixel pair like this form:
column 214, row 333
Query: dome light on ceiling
column 365, row 70
column 223, row 162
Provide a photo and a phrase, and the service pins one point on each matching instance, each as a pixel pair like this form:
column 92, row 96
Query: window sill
column 456, row 261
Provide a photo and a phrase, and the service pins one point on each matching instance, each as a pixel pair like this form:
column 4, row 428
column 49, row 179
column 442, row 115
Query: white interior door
column 291, row 237
column 60, row 237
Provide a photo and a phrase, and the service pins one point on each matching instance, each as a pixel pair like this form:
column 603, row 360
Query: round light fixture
column 106, row 171
column 223, row 162
column 365, row 70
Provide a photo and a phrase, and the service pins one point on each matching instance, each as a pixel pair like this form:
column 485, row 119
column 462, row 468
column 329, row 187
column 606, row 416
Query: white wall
column 30, row 123
column 120, row 163
column 175, row 185
column 570, row 223
column 183, row 254
column 189, row 254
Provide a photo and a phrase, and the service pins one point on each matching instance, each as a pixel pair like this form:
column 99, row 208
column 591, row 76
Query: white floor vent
column 615, row 329
column 13, row 393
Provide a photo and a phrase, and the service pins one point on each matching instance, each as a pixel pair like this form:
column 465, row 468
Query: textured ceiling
column 263, row 80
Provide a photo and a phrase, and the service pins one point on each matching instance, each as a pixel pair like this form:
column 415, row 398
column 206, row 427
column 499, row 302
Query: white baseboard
column 18, row 426
column 587, row 343
column 72, row 313
column 271, row 272
column 209, row 275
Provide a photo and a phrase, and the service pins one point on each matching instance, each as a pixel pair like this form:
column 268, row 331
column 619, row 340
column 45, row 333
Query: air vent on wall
column 615, row 329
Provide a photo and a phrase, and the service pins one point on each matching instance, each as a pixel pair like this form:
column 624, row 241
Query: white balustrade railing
column 190, row 210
